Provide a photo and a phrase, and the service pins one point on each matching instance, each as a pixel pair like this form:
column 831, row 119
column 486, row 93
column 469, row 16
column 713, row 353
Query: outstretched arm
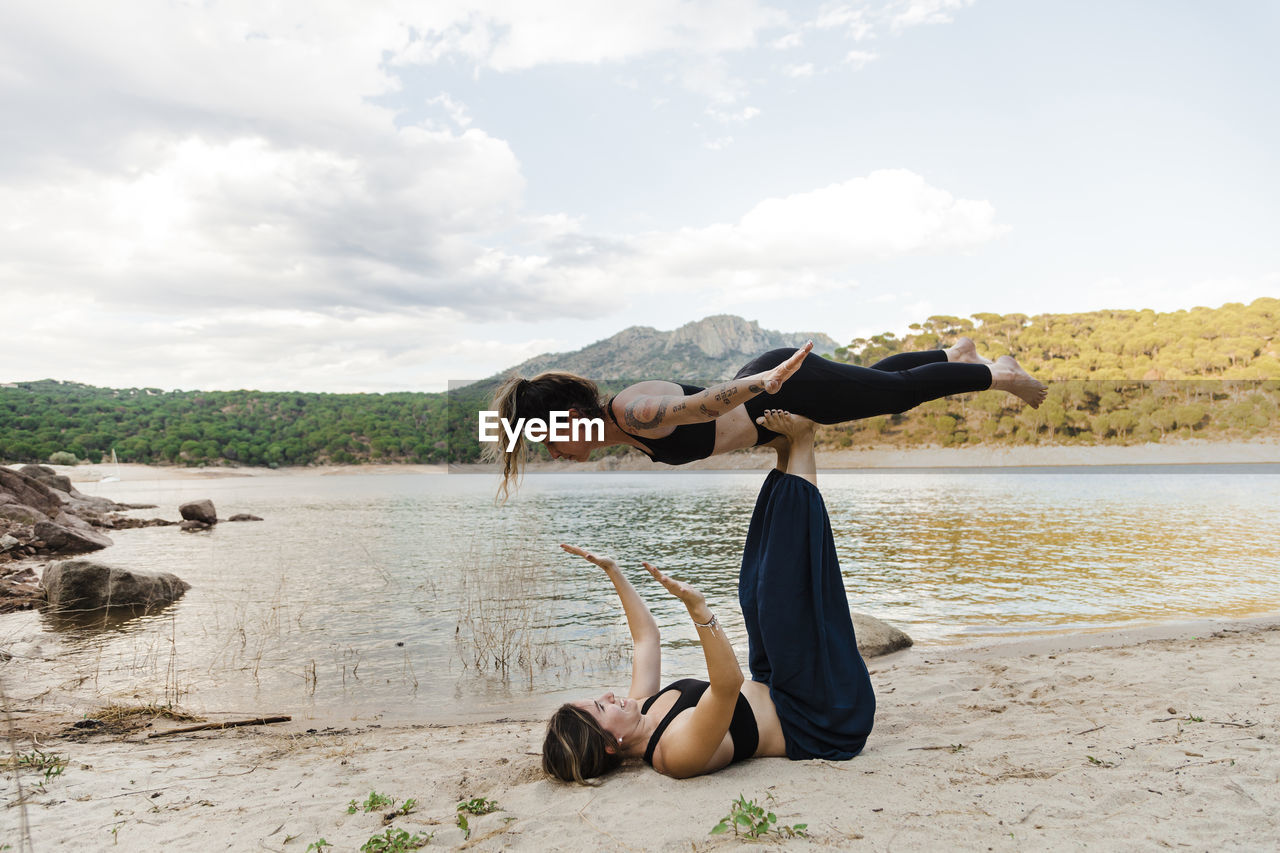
column 646, row 662
column 657, row 412
column 688, row 749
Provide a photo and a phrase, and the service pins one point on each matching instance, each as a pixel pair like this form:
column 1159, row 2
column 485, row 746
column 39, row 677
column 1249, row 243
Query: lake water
column 393, row 594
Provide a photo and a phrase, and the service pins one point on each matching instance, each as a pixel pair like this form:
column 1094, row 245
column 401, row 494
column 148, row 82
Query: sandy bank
column 132, row 472
column 1140, row 740
column 1173, row 453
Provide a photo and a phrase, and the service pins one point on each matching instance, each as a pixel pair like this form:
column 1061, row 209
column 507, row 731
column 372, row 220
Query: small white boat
column 113, row 477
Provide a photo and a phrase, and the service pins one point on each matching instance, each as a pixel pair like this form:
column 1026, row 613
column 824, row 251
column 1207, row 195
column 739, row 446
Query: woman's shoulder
column 648, row 388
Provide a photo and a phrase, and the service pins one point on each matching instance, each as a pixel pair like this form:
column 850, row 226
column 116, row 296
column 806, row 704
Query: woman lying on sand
column 675, row 423
column 810, row 695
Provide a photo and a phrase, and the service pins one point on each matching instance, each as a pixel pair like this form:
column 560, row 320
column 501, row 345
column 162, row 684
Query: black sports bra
column 686, row 443
column 742, row 729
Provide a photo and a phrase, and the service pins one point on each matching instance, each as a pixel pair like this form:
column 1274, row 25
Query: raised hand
column 607, row 563
column 774, row 378
column 681, row 590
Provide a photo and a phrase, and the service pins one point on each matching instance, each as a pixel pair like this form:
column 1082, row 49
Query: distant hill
column 710, row 349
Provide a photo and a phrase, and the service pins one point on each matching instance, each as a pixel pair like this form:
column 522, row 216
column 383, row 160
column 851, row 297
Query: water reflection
column 89, row 625
column 365, row 594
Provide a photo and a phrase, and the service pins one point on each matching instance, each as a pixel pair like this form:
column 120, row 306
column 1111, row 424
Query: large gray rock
column 69, row 538
column 877, row 638
column 81, row 585
column 48, row 476
column 28, row 491
column 21, row 513
column 201, row 510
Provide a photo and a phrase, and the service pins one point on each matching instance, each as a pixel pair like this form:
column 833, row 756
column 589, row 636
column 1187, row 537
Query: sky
column 386, row 196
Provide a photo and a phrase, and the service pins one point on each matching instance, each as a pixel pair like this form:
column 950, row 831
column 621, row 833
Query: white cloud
column 865, row 21
column 734, row 116
column 803, row 70
column 858, row 22
column 886, row 214
column 914, row 13
column 859, row 58
column 456, row 111
column 510, row 36
column 790, row 41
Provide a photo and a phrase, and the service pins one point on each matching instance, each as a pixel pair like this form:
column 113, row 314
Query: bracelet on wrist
column 711, row 624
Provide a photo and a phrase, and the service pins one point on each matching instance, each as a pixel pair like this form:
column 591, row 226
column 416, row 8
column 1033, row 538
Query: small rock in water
column 201, row 510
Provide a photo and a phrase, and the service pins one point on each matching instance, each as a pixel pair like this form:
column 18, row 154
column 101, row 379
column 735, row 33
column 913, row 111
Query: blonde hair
column 518, row 397
column 576, row 747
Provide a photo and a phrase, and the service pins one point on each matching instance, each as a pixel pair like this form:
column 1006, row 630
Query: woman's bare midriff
column 771, row 740
column 734, row 430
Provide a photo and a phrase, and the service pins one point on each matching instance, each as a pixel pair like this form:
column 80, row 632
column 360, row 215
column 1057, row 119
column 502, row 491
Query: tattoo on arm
column 755, row 389
column 678, row 407
column 725, row 396
column 634, row 421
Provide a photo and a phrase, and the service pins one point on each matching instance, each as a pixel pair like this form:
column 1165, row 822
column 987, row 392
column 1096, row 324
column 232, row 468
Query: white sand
column 1103, row 741
column 1170, row 453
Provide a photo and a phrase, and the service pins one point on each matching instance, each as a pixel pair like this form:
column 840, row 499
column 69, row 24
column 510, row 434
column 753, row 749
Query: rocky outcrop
column 48, row 476
column 72, row 537
column 19, row 587
column 79, row 586
column 25, row 490
column 45, row 519
column 708, row 350
column 877, row 638
column 47, row 516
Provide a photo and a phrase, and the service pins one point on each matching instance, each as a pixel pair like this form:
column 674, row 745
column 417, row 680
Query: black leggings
column 832, row 393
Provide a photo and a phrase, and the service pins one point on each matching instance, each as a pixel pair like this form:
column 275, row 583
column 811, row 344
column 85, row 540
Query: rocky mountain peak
column 709, row 349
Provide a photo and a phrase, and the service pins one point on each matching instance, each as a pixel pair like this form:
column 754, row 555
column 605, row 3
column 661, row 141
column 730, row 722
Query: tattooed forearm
column 755, row 389
column 725, row 395
column 635, row 422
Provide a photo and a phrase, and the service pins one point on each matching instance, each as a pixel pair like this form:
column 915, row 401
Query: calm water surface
column 393, row 594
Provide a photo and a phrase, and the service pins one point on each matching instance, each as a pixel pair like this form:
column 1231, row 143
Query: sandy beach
column 1164, row 737
column 1171, row 453
column 1160, row 737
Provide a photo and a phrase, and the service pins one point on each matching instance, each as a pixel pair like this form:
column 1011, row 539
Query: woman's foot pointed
column 1008, row 375
column 965, row 351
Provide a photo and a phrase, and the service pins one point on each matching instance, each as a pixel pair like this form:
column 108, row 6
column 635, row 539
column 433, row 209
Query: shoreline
column 1041, row 743
column 1177, row 453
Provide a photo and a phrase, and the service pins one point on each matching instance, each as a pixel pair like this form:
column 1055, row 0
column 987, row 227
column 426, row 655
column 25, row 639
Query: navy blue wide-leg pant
column 801, row 635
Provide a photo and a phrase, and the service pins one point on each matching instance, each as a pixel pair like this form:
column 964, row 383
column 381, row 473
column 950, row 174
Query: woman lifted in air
column 809, row 695
column 675, row 423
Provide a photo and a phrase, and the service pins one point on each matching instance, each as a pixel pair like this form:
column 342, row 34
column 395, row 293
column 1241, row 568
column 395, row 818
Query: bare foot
column 965, row 351
column 794, row 427
column 798, row 431
column 1008, row 375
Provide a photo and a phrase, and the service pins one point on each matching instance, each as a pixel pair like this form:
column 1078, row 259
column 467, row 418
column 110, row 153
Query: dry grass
column 503, row 621
column 127, row 719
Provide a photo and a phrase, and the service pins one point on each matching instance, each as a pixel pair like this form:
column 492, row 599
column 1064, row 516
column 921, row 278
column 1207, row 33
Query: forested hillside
column 148, row 425
column 1115, row 377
